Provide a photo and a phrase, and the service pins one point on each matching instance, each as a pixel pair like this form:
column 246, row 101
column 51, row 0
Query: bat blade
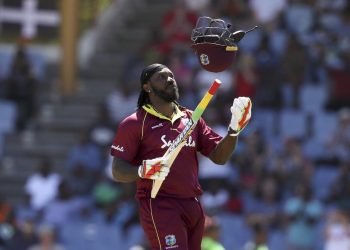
column 171, row 158
column 180, row 140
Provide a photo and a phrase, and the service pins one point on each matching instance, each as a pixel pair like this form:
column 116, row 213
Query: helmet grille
column 209, row 30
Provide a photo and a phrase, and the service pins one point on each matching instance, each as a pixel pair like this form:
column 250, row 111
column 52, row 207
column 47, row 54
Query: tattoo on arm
column 123, row 171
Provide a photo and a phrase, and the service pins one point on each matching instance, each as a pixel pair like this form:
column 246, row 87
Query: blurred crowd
column 287, row 185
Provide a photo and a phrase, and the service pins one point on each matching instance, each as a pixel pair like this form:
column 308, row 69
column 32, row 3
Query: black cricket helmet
column 214, row 44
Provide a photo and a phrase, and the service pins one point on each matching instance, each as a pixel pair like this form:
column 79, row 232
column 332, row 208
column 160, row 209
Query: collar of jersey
column 178, row 113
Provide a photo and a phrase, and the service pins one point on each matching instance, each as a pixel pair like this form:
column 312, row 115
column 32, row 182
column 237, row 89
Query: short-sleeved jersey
column 147, row 134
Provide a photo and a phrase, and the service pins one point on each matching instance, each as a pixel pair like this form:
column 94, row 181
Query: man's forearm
column 223, row 151
column 123, row 171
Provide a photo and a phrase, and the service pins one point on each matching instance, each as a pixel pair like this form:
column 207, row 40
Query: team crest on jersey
column 204, row 59
column 170, row 241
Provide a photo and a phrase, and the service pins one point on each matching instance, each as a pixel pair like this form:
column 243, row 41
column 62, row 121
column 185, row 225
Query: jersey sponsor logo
column 168, row 143
column 170, row 241
column 118, row 148
column 157, row 126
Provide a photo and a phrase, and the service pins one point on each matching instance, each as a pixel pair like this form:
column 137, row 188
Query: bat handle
column 155, row 188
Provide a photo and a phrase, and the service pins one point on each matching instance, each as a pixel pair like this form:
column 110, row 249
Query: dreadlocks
column 145, row 76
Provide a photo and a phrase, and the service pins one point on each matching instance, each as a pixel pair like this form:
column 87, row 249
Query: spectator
column 266, row 11
column 251, row 160
column 317, row 72
column 208, row 169
column 215, row 196
column 264, row 207
column 234, row 203
column 203, row 79
column 47, row 239
column 122, row 96
column 63, row 208
column 6, row 215
column 294, row 63
column 237, row 11
column 14, row 234
column 246, row 77
column 269, row 84
column 6, row 209
column 198, row 6
column 81, row 180
column 211, row 235
column 102, row 131
column 340, row 188
column 127, row 215
column 176, row 26
column 297, row 167
column 338, row 145
column 303, row 212
column 24, row 210
column 259, row 242
column 337, row 231
column 87, row 154
column 178, row 66
column 24, row 235
column 144, row 245
column 339, row 76
column 106, row 193
column 42, row 185
column 299, row 17
column 21, row 87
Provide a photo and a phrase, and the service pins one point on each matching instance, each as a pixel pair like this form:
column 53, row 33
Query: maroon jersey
column 147, row 134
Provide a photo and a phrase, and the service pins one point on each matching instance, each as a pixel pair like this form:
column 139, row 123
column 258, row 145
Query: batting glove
column 241, row 113
column 154, row 169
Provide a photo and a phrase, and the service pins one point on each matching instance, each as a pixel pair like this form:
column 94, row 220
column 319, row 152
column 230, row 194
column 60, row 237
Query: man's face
column 163, row 85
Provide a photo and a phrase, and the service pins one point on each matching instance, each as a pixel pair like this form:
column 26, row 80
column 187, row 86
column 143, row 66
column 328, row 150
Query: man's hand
column 241, row 113
column 154, row 169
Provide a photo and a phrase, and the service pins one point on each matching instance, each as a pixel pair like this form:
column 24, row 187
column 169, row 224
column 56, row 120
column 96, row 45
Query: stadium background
column 68, row 79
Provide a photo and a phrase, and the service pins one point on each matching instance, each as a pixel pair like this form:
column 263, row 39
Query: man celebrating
column 174, row 219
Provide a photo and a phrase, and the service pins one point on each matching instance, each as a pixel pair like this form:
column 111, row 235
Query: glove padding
column 154, row 169
column 241, row 113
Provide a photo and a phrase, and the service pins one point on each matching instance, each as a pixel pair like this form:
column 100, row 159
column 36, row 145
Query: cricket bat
column 180, row 140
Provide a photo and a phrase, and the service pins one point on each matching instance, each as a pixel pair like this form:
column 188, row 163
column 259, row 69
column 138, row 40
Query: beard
column 167, row 95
